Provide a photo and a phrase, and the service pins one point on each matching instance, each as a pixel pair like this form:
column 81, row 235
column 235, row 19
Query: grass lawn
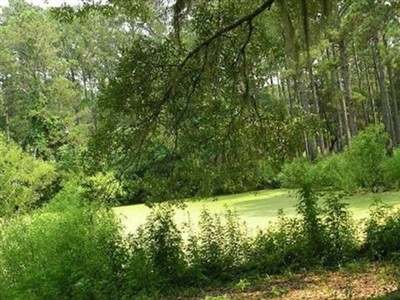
column 256, row 208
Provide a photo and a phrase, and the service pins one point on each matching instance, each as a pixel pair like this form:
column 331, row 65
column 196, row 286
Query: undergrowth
column 73, row 250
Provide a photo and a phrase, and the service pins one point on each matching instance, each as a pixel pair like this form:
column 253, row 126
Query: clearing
column 257, row 209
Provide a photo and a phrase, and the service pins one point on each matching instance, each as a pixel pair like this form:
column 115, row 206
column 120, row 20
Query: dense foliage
column 24, row 181
column 217, row 93
column 72, row 250
column 196, row 98
column 149, row 101
column 365, row 164
column 66, row 250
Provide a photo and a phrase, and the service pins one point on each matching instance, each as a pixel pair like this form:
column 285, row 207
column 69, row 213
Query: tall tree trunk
column 6, row 118
column 342, row 132
column 280, row 87
column 272, row 85
column 396, row 118
column 335, row 132
column 303, row 99
column 347, row 87
column 360, row 85
column 345, row 116
column 317, row 110
column 371, row 94
column 385, row 106
column 290, row 96
column 393, row 95
column 282, row 82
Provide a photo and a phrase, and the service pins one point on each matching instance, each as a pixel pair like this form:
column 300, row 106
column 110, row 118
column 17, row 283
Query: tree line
column 196, row 97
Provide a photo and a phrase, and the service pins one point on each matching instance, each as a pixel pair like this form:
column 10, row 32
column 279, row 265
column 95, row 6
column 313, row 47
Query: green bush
column 281, row 247
column 165, row 245
column 382, row 238
column 334, row 171
column 139, row 273
column 297, row 173
column 391, row 169
column 363, row 164
column 157, row 259
column 72, row 250
column 23, row 179
column 340, row 233
column 220, row 250
column 162, row 260
column 327, row 172
column 323, row 236
column 366, row 156
column 310, row 214
column 66, row 250
column 331, row 238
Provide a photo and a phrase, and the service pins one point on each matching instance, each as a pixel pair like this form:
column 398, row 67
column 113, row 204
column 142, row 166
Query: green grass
column 256, row 208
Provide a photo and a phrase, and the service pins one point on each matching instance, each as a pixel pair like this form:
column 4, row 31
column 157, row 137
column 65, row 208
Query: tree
column 30, row 71
column 172, row 83
column 24, row 181
column 50, row 76
column 198, row 97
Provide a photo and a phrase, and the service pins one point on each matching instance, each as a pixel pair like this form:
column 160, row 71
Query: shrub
column 23, row 179
column 362, row 165
column 297, row 173
column 340, row 234
column 67, row 250
column 391, row 169
column 366, row 156
column 327, row 172
column 335, row 172
column 281, row 247
column 219, row 251
column 269, row 174
column 382, row 238
column 310, row 214
column 157, row 258
column 329, row 231
column 140, row 275
column 318, row 236
column 165, row 245
column 102, row 187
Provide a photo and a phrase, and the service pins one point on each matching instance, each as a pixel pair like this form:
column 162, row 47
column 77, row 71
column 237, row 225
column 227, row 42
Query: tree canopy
column 185, row 98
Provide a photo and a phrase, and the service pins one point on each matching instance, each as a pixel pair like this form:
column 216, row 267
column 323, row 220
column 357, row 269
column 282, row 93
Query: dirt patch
column 320, row 287
column 371, row 282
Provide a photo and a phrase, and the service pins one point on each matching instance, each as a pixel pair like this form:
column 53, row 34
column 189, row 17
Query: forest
column 110, row 106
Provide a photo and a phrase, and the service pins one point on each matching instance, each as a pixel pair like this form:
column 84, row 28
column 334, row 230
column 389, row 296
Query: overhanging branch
column 172, row 84
column 248, row 18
